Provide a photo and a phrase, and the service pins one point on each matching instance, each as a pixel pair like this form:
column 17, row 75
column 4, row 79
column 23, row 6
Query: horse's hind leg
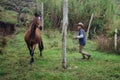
column 41, row 47
column 28, row 46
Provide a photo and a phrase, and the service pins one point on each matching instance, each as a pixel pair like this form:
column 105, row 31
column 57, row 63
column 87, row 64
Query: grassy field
column 14, row 61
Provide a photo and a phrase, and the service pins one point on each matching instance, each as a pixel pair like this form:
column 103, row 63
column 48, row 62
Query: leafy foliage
column 80, row 11
column 106, row 13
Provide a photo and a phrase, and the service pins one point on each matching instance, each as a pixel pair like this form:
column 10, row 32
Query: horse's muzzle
column 40, row 27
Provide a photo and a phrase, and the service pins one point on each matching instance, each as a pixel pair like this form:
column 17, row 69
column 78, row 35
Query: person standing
column 82, row 40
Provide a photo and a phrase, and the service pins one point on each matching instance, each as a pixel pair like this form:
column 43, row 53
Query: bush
column 107, row 44
column 80, row 10
column 111, row 33
column 3, row 42
column 1, row 9
column 118, row 49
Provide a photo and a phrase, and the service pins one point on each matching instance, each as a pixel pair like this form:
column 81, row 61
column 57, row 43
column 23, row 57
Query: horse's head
column 38, row 21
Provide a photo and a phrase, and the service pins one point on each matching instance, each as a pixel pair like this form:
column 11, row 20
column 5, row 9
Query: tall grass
column 80, row 11
column 107, row 44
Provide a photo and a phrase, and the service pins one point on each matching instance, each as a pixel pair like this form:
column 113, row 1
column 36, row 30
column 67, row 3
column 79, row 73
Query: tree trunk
column 18, row 17
column 64, row 32
column 42, row 14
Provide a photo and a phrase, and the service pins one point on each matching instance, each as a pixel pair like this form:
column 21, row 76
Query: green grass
column 14, row 62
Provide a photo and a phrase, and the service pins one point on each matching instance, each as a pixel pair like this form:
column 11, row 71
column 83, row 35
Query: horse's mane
column 33, row 28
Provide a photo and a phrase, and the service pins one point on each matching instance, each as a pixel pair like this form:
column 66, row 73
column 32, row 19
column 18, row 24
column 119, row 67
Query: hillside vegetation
column 106, row 13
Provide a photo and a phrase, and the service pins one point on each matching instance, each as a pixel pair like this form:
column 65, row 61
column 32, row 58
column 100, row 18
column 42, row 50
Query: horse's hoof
column 89, row 56
column 30, row 66
column 40, row 55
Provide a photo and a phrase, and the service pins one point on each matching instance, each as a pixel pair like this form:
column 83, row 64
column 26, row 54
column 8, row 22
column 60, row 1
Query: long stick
column 87, row 34
column 115, row 39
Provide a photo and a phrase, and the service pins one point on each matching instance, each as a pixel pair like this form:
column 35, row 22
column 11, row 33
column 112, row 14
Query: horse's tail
column 32, row 32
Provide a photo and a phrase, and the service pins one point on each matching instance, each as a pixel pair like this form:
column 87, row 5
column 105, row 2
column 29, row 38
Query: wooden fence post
column 115, row 40
column 42, row 15
column 87, row 34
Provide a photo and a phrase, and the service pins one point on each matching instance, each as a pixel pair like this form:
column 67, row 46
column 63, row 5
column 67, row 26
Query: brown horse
column 33, row 37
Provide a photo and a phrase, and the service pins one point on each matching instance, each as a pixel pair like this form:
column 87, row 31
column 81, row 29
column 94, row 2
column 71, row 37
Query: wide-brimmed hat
column 80, row 24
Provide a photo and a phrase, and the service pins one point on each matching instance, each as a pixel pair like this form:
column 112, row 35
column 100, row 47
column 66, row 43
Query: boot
column 89, row 56
column 83, row 56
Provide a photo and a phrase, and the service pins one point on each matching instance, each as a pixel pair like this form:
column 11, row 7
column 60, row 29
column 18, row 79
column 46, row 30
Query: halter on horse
column 33, row 37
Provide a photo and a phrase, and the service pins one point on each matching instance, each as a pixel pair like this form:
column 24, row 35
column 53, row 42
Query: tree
column 64, row 32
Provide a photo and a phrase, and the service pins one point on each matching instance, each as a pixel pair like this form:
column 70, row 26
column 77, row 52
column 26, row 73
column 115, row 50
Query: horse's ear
column 36, row 14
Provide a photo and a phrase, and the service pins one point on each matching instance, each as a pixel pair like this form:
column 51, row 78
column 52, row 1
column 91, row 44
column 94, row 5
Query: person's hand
column 75, row 37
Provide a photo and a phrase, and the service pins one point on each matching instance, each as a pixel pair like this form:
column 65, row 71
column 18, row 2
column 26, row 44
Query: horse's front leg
column 32, row 54
column 31, row 51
